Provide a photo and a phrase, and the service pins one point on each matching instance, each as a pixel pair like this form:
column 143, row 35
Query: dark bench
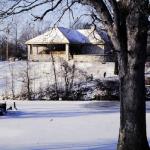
column 3, row 110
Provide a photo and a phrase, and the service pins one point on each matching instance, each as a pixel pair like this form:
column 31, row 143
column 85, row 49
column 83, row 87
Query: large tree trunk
column 132, row 135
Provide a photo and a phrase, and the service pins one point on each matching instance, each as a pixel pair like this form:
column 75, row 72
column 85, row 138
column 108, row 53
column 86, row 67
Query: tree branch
column 116, row 12
column 16, row 8
column 47, row 11
column 101, row 9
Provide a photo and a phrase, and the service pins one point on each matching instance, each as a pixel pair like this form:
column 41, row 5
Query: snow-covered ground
column 62, row 125
column 41, row 74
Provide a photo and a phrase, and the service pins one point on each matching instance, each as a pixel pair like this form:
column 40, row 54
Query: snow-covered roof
column 62, row 35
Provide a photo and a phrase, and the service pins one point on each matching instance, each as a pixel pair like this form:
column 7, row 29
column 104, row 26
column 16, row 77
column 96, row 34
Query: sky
column 50, row 19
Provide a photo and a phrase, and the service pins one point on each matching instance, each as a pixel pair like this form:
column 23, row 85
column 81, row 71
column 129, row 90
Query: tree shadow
column 109, row 106
column 84, row 109
column 106, row 145
column 47, row 113
column 105, row 106
column 81, row 146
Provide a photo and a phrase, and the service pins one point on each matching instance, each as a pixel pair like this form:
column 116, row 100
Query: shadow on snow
column 90, row 108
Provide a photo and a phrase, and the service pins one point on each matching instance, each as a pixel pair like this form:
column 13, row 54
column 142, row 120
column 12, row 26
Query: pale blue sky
column 51, row 18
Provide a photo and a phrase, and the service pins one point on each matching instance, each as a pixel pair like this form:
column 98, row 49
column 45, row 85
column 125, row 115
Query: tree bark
column 116, row 70
column 132, row 135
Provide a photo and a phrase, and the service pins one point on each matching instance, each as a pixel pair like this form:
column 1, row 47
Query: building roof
column 62, row 35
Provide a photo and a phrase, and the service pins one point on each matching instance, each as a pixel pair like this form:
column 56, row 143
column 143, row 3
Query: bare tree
column 68, row 74
column 128, row 31
column 7, row 43
column 12, row 75
column 127, row 23
column 15, row 28
column 27, row 80
column 55, row 75
column 6, row 94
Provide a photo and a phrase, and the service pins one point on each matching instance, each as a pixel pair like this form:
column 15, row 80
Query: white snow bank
column 61, row 126
column 41, row 74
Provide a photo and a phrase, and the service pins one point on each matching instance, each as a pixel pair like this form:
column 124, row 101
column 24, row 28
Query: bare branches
column 100, row 6
column 101, row 10
column 48, row 10
column 66, row 9
column 107, row 11
column 81, row 16
column 22, row 6
column 116, row 11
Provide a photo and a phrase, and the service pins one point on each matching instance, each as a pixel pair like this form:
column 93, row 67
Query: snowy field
column 62, row 125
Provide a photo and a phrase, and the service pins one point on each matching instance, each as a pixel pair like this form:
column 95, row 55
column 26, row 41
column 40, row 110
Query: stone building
column 69, row 44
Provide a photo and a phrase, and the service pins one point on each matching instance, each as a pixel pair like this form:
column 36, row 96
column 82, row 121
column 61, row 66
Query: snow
column 92, row 36
column 42, row 73
column 54, row 125
column 64, row 35
column 62, row 125
column 74, row 36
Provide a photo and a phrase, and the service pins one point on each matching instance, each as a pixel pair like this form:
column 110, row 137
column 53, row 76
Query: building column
column 28, row 49
column 67, row 52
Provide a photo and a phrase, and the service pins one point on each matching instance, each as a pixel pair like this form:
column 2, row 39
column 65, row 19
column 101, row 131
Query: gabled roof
column 92, row 36
column 54, row 35
column 62, row 35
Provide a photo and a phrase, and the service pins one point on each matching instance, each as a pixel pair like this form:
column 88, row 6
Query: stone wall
column 93, row 58
column 77, row 58
column 46, row 57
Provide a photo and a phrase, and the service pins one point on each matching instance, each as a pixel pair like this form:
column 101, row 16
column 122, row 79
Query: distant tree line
column 13, row 38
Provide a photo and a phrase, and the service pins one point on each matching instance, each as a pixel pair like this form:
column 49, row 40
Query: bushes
column 106, row 90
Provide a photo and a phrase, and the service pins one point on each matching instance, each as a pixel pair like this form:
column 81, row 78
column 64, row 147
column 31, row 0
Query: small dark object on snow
column 3, row 110
column 15, row 106
column 104, row 74
column 10, row 108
